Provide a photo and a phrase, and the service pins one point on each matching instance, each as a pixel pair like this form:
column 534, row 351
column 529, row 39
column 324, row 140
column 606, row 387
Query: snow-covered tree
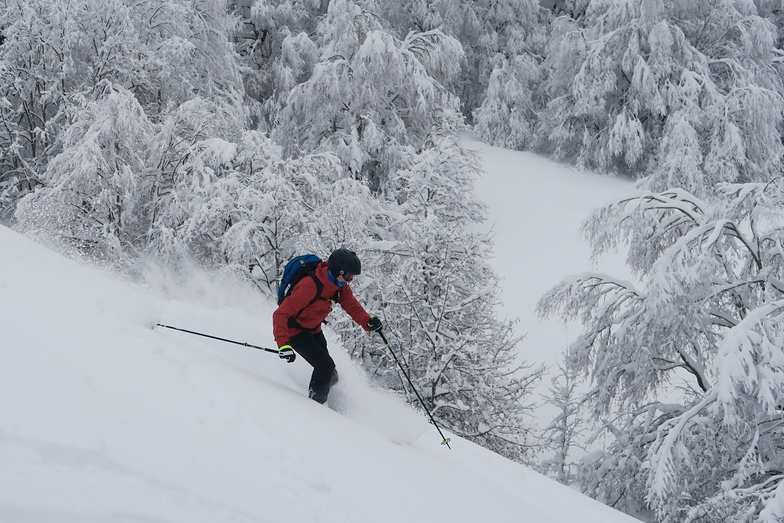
column 439, row 297
column 507, row 116
column 281, row 53
column 372, row 99
column 187, row 53
column 242, row 205
column 59, row 54
column 33, row 87
column 687, row 367
column 563, row 436
column 499, row 40
column 771, row 9
column 689, row 92
column 93, row 191
column 502, row 39
column 112, row 92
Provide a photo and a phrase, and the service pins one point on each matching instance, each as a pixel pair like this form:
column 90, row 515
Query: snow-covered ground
column 106, row 419
column 535, row 210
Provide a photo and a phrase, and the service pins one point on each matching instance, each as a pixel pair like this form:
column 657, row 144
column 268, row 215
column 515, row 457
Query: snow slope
column 535, row 210
column 106, row 419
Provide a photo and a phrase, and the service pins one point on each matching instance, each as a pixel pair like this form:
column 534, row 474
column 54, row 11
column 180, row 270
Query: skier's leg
column 313, row 349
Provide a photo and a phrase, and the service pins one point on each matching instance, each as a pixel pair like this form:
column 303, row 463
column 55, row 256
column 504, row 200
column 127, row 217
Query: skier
column 296, row 323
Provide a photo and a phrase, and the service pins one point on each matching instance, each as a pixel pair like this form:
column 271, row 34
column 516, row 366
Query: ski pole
column 444, row 439
column 217, row 338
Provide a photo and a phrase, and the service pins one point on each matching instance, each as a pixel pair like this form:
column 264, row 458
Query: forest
column 234, row 135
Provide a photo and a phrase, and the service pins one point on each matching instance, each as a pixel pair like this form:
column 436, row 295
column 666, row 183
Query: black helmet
column 344, row 261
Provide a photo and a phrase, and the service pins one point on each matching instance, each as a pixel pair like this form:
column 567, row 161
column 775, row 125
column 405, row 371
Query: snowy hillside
column 535, row 210
column 104, row 419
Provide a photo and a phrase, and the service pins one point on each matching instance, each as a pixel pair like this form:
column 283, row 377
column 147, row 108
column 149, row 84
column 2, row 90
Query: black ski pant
column 312, row 346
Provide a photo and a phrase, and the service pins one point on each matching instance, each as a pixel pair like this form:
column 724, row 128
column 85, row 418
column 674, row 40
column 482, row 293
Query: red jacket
column 309, row 317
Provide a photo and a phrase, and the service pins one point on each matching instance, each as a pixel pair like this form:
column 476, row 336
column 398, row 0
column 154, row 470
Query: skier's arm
column 354, row 309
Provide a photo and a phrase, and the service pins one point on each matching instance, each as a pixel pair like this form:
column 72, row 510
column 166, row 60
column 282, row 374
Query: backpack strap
column 293, row 323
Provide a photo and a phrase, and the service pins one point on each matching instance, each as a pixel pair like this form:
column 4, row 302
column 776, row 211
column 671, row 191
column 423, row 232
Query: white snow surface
column 104, row 418
column 535, row 210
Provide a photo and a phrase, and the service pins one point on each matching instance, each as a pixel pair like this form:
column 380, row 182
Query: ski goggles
column 348, row 276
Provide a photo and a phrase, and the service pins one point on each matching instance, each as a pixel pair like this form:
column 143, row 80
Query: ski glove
column 287, row 353
column 374, row 323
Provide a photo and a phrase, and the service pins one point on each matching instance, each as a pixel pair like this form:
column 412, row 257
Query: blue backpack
column 294, row 271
